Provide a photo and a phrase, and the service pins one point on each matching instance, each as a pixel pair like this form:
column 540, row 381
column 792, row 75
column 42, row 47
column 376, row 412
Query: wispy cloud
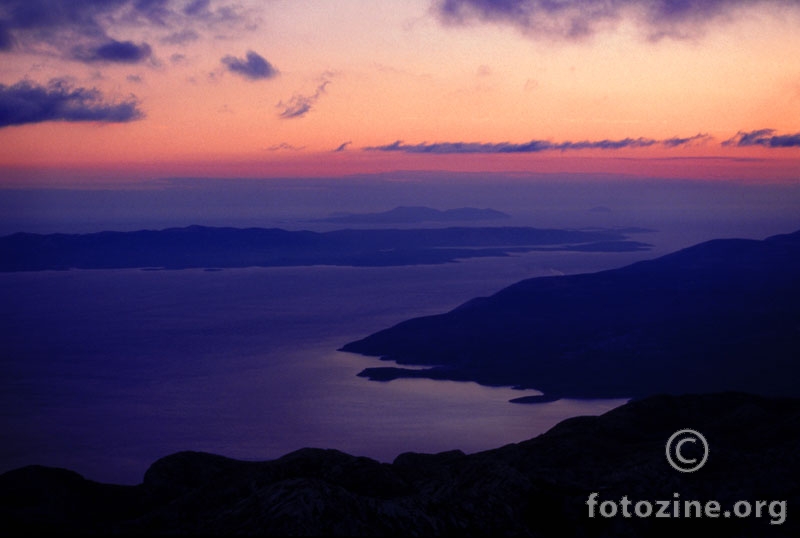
column 285, row 146
column 197, row 7
column 534, row 146
column 26, row 102
column 254, row 67
column 764, row 137
column 676, row 141
column 300, row 105
column 221, row 14
column 181, row 37
column 577, row 19
column 342, row 146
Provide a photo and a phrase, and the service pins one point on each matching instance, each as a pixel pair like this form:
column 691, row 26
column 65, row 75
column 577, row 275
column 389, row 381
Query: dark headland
column 722, row 315
column 534, row 488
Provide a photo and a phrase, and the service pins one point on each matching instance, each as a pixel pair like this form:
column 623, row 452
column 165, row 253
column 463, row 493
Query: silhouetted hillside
column 538, row 487
column 722, row 315
column 200, row 246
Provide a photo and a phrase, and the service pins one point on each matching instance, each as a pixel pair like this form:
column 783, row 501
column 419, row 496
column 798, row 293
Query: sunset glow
column 139, row 90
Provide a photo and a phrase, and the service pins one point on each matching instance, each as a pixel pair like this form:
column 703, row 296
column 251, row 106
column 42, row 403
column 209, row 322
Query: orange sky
column 357, row 75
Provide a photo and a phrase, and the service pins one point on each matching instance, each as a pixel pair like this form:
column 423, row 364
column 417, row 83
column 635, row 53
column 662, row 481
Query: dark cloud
column 764, row 137
column 26, row 102
column 576, row 19
column 300, row 105
column 255, row 67
column 608, row 144
column 114, row 52
column 42, row 19
column 63, row 25
column 785, row 141
column 6, row 39
column 534, row 146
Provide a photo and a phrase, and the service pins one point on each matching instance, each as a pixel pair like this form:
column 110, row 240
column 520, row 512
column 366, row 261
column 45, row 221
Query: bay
column 104, row 371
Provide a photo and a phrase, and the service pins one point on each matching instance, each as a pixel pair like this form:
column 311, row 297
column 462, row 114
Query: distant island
column 722, row 315
column 417, row 214
column 206, row 247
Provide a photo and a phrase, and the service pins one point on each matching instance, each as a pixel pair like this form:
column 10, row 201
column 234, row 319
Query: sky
column 129, row 90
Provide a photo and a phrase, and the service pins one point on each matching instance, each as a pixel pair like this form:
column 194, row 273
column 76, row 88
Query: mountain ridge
column 725, row 312
column 537, row 487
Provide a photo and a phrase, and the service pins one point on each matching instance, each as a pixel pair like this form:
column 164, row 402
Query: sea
column 105, row 371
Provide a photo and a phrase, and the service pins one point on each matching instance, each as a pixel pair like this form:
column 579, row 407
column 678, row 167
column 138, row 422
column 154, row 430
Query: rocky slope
column 535, row 488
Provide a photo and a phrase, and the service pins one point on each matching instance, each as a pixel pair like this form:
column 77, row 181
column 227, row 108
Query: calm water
column 105, row 371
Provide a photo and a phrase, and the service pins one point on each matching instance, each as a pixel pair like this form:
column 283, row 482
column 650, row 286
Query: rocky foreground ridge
column 535, row 488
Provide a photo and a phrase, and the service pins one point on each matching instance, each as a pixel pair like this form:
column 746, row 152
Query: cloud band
column 534, row 146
